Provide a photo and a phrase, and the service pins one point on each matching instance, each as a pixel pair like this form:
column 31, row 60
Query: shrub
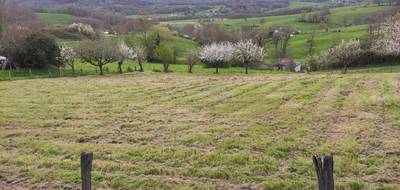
column 36, row 50
column 311, row 63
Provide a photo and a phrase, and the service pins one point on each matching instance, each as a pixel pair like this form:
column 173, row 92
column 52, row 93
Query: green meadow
column 54, row 18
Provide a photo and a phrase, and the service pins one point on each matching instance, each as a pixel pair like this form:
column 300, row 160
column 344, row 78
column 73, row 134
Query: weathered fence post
column 324, row 170
column 86, row 169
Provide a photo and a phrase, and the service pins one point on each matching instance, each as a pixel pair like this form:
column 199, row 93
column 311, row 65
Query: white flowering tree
column 84, row 29
column 124, row 52
column 67, row 57
column 342, row 55
column 387, row 39
column 216, row 55
column 248, row 53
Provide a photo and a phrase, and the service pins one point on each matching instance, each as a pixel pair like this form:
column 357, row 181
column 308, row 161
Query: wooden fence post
column 86, row 169
column 324, row 170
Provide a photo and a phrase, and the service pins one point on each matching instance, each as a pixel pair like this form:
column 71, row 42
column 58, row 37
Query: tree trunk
column 141, row 66
column 216, row 70
column 73, row 68
column 190, row 68
column 247, row 68
column 120, row 66
column 345, row 69
column 101, row 69
column 166, row 67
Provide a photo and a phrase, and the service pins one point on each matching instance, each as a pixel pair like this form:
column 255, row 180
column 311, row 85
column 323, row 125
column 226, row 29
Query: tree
column 166, row 55
column 140, row 54
column 36, row 50
column 281, row 37
column 310, row 43
column 387, row 38
column 216, row 55
column 248, row 53
column 124, row 52
column 342, row 55
column 192, row 60
column 98, row 53
column 150, row 40
column 67, row 57
column 16, row 23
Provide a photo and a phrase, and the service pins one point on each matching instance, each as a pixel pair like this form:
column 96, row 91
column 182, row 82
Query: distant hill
column 130, row 7
column 122, row 6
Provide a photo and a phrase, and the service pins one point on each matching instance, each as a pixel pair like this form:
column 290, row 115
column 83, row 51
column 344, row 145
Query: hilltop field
column 181, row 131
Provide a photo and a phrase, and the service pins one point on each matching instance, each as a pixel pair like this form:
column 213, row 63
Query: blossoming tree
column 67, row 57
column 342, row 55
column 248, row 53
column 387, row 38
column 216, row 55
column 124, row 52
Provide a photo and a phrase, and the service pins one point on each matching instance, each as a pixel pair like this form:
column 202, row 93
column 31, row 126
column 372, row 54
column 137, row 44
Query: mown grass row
column 181, row 131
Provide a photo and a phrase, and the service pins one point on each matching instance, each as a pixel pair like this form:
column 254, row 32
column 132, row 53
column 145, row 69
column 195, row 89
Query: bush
column 37, row 50
column 311, row 63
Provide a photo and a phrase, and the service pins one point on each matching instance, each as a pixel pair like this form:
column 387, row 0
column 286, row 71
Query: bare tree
column 192, row 60
column 282, row 36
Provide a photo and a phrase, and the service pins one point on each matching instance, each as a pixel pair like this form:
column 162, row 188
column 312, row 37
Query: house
column 288, row 65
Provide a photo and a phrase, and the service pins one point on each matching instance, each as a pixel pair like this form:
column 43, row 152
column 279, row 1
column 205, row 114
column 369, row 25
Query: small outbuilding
column 5, row 64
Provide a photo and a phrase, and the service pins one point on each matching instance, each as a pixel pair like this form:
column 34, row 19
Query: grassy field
column 83, row 69
column 337, row 15
column 179, row 131
column 323, row 39
column 299, row 4
column 54, row 18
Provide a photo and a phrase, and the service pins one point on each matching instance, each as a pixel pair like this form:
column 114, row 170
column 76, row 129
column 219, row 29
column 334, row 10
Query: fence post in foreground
column 324, row 170
column 86, row 169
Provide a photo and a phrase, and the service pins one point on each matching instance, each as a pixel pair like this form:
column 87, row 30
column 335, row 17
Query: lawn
column 54, row 18
column 201, row 131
